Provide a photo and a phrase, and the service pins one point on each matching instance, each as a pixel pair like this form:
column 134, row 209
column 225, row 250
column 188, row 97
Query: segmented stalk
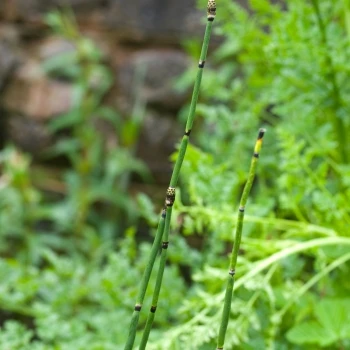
column 169, row 201
column 144, row 282
column 159, row 280
column 233, row 261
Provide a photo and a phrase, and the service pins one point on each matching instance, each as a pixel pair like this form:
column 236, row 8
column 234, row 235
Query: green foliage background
column 70, row 265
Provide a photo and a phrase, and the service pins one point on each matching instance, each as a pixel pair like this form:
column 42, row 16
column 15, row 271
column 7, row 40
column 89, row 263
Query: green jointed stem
column 175, row 175
column 233, row 261
column 159, row 280
column 199, row 74
column 191, row 115
column 179, row 160
column 144, row 282
column 170, row 197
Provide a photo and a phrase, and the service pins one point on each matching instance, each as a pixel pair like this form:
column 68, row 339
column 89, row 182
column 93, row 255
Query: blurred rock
column 32, row 94
column 52, row 46
column 30, row 135
column 159, row 135
column 31, row 98
column 156, row 20
column 31, row 9
column 157, row 88
column 8, row 54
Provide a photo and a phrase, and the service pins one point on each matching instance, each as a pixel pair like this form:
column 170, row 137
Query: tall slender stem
column 159, row 280
column 164, row 221
column 144, row 283
column 237, row 242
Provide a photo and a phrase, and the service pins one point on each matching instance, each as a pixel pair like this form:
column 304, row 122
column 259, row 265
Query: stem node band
column 163, row 213
column 138, row 307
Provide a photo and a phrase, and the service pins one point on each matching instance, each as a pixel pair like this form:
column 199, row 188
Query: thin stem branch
column 233, row 261
column 165, row 219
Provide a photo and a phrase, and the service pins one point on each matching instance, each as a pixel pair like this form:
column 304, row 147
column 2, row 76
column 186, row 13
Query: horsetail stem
column 191, row 115
column 237, row 242
column 144, row 282
column 159, row 280
column 165, row 218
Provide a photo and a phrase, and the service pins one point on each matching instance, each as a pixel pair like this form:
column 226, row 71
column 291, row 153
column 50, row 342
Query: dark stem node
column 153, row 309
column 261, row 133
column 232, row 272
column 170, row 197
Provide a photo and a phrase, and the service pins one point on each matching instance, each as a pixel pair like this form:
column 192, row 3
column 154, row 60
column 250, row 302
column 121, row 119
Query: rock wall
column 130, row 33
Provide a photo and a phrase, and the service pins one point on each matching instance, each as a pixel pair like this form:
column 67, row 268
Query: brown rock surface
column 34, row 95
column 131, row 34
column 155, row 19
column 32, row 9
column 29, row 135
column 159, row 135
column 9, row 56
column 162, row 68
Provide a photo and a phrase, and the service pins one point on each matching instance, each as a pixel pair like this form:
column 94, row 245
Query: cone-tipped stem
column 165, row 218
column 238, row 235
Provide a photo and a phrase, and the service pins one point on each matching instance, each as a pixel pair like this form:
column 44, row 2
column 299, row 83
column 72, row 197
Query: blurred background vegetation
column 87, row 131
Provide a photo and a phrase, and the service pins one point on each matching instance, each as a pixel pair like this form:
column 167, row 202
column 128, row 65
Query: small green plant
column 100, row 169
column 20, row 204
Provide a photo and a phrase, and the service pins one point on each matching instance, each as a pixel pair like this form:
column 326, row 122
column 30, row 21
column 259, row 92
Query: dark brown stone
column 30, row 135
column 31, row 9
column 159, row 135
column 53, row 46
column 32, row 94
column 9, row 56
column 156, row 20
column 161, row 67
